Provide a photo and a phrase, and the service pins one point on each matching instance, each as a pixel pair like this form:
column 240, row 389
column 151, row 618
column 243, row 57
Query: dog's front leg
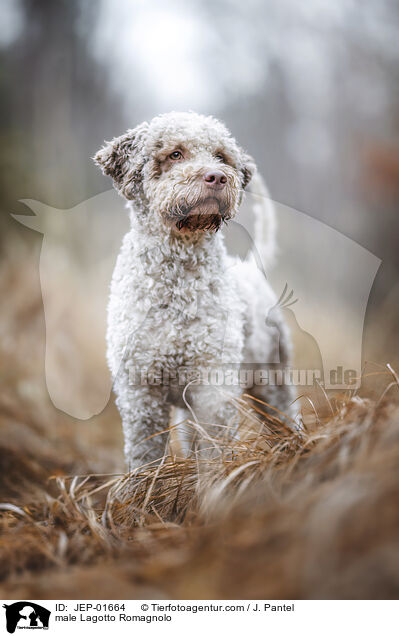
column 145, row 417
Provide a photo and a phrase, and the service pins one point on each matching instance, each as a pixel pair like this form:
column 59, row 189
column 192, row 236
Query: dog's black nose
column 215, row 179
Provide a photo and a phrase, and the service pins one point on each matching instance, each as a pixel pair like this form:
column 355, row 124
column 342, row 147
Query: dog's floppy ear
column 123, row 159
column 247, row 168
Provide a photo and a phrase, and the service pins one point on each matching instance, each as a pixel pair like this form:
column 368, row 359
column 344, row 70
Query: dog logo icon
column 26, row 615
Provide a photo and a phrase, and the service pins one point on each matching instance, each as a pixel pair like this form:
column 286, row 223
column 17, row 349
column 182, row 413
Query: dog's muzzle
column 208, row 213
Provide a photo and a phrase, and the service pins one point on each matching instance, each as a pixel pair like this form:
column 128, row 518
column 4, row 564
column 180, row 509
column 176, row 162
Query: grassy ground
column 283, row 515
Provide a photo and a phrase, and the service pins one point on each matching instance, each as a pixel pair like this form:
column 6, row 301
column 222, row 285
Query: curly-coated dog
column 184, row 317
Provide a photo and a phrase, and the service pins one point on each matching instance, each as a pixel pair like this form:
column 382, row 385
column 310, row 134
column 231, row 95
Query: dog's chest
column 174, row 309
column 182, row 317
column 186, row 315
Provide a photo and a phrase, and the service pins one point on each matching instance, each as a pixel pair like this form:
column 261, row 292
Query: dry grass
column 282, row 515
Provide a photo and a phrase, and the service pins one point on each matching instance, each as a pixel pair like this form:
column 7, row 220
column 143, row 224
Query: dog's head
column 183, row 168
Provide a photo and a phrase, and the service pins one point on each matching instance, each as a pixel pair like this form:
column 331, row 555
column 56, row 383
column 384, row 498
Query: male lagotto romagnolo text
column 183, row 313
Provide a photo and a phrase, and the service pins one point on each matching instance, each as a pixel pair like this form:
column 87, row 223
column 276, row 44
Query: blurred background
column 309, row 89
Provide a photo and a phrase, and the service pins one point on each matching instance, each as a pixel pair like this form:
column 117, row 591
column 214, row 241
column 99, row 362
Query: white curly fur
column 177, row 298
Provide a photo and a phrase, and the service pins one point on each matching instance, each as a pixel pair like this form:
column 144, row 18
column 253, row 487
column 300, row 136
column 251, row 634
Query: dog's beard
column 205, row 214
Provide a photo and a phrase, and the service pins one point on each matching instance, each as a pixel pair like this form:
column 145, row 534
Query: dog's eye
column 220, row 156
column 176, row 155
